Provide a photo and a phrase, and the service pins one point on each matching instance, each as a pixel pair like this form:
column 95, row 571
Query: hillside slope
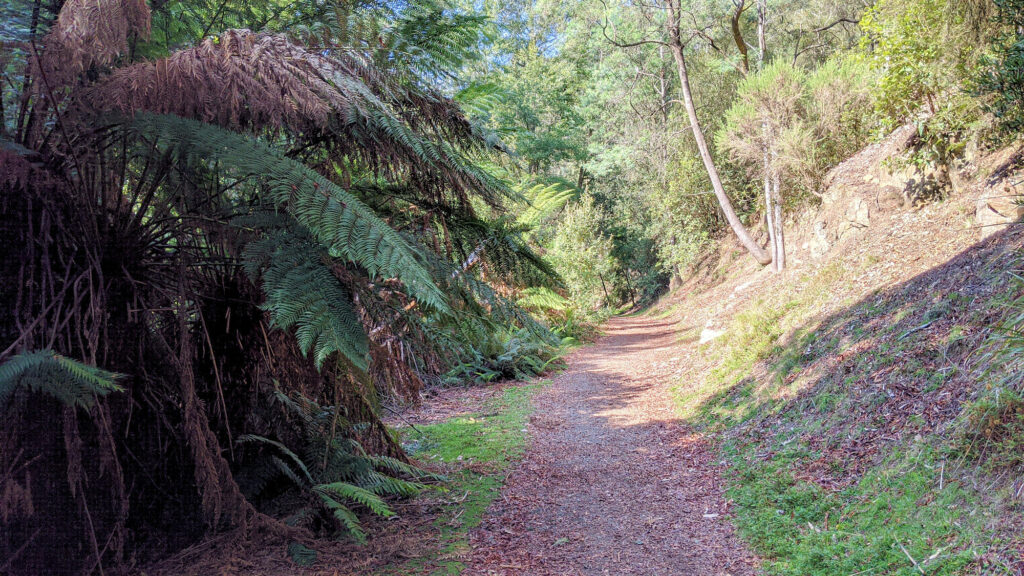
column 856, row 393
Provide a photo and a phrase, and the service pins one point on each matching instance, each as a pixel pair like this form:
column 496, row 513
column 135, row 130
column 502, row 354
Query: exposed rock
column 819, row 245
column 707, row 335
column 997, row 207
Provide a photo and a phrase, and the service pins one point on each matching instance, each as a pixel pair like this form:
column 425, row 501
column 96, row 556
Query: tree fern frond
column 45, row 371
column 383, row 485
column 399, row 467
column 334, row 217
column 546, row 200
column 542, row 299
column 301, row 292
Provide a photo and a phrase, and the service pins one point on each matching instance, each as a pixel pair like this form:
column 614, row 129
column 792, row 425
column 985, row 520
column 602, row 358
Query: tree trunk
column 779, row 253
column 737, row 36
column 769, row 213
column 762, row 20
column 676, row 45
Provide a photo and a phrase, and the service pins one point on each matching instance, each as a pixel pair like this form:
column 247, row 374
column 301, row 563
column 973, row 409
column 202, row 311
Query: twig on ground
column 912, row 561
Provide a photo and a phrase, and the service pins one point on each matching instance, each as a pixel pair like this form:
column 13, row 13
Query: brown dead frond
column 92, row 33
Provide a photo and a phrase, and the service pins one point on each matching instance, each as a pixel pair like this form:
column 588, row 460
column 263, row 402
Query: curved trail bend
column 612, row 481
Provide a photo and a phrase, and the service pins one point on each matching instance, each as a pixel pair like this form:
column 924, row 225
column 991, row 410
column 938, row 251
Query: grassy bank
column 847, row 417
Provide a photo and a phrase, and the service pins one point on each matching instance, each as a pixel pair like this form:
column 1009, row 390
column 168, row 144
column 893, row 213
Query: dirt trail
column 612, row 482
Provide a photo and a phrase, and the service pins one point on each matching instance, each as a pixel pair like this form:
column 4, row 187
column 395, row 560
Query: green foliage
column 1002, row 71
column 301, row 292
column 301, row 554
column 841, row 108
column 70, row 381
column 769, row 119
column 994, row 430
column 583, row 255
column 798, row 125
column 904, row 40
column 334, row 217
column 922, row 57
column 505, row 355
column 330, row 466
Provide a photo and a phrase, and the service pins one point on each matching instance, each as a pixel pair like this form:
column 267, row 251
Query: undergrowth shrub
column 922, row 59
column 842, row 108
column 995, row 430
column 515, row 355
column 582, row 255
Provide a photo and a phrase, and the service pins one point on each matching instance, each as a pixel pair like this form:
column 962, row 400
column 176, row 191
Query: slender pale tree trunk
column 762, row 19
column 772, row 194
column 779, row 252
column 769, row 211
column 676, row 45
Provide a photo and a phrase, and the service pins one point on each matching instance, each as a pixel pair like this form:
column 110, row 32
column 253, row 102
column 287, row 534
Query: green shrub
column 903, row 39
column 1002, row 73
column 582, row 255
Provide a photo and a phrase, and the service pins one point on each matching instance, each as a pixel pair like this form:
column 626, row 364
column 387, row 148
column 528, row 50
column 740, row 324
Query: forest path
column 612, row 481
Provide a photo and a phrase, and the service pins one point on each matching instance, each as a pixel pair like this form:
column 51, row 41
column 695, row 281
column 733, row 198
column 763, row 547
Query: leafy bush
column 1002, row 73
column 684, row 215
column 582, row 254
column 922, row 57
column 841, row 107
column 903, row 39
column 766, row 131
column 510, row 355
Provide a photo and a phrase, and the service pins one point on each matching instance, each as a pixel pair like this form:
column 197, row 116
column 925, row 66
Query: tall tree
column 678, row 47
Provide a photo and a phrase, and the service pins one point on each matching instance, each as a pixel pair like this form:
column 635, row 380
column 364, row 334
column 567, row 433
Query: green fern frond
column 356, row 494
column 284, row 451
column 383, row 485
column 45, row 371
column 546, row 200
column 397, row 466
column 543, row 299
column 335, row 218
column 345, row 517
column 301, row 292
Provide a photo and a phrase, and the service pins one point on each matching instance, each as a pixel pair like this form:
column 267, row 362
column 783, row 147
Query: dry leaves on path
column 612, row 482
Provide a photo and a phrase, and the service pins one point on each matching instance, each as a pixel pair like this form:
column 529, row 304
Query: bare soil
column 612, row 482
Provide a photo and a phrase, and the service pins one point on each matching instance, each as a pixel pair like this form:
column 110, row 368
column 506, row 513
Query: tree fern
column 45, row 371
column 545, row 200
column 293, row 458
column 343, row 514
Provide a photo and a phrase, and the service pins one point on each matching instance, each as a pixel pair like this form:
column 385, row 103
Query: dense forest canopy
column 234, row 232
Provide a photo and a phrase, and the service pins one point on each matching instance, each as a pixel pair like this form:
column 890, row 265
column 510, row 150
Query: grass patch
column 487, row 445
column 894, row 513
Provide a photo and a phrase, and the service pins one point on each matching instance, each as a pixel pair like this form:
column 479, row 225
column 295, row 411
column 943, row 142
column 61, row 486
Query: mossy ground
column 482, row 448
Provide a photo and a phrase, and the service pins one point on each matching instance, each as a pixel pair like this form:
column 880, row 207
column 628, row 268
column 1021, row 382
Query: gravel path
column 612, row 482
